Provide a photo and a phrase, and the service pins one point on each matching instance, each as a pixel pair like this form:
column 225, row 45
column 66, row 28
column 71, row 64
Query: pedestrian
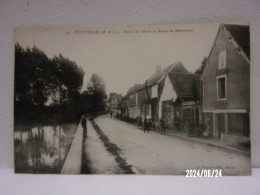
column 111, row 113
column 139, row 122
column 148, row 125
column 145, row 125
column 162, row 126
column 84, row 126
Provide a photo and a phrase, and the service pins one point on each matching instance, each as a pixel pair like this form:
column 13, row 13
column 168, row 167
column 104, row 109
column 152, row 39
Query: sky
column 123, row 55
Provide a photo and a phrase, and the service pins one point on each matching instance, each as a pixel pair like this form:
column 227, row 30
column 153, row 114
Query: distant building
column 125, row 107
column 226, row 84
column 143, row 99
column 133, row 108
column 114, row 102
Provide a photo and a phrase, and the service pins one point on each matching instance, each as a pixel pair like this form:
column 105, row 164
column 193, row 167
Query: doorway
column 221, row 124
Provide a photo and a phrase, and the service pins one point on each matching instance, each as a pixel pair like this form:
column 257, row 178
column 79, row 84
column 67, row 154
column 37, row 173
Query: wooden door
column 221, row 124
column 168, row 115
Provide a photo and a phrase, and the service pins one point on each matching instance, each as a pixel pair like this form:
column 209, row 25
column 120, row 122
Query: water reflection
column 42, row 149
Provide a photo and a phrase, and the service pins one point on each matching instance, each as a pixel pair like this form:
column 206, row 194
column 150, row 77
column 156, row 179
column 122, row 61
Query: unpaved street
column 154, row 153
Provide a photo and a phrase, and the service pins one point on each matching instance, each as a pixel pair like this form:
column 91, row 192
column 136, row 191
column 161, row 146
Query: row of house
column 217, row 96
column 113, row 101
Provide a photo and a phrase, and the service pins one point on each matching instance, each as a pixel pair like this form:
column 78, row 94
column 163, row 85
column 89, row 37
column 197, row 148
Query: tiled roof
column 134, row 88
column 241, row 35
column 176, row 67
column 152, row 80
column 182, row 83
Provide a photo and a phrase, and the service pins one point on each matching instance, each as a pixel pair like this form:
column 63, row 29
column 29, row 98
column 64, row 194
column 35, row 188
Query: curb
column 212, row 144
column 204, row 142
column 72, row 163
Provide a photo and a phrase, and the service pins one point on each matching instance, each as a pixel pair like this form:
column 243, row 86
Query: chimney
column 158, row 68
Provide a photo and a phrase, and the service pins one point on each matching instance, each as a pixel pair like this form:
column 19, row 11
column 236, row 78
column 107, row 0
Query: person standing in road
column 162, row 125
column 139, row 122
column 84, row 126
column 145, row 125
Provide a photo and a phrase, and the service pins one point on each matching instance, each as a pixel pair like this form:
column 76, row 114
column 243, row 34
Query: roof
column 176, row 67
column 241, row 34
column 134, row 88
column 156, row 77
column 182, row 83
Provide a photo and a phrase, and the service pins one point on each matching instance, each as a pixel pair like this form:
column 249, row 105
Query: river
column 42, row 149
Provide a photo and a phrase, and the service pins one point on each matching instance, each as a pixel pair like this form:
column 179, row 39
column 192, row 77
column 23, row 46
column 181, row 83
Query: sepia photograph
column 141, row 99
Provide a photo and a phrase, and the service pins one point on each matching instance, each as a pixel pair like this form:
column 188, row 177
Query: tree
column 201, row 69
column 195, row 90
column 67, row 80
column 96, row 90
column 31, row 85
column 39, row 79
column 96, row 84
column 197, row 85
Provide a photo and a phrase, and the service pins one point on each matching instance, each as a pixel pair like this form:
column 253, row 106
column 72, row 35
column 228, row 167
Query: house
column 125, row 107
column 178, row 102
column 226, row 84
column 114, row 102
column 133, row 107
column 149, row 93
column 144, row 102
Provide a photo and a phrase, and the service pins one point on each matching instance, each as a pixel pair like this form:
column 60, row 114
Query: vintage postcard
column 149, row 99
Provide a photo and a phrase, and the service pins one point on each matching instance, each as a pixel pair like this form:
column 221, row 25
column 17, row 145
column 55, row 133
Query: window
column 222, row 87
column 238, row 123
column 222, row 59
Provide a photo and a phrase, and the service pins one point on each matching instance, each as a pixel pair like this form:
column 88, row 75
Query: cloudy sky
column 120, row 55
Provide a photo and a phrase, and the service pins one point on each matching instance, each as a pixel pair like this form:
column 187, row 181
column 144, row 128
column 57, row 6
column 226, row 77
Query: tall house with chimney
column 142, row 100
column 149, row 94
column 226, row 84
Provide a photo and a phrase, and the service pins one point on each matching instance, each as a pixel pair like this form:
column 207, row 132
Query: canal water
column 42, row 149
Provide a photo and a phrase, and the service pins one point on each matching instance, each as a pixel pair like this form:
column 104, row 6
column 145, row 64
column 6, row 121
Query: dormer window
column 222, row 59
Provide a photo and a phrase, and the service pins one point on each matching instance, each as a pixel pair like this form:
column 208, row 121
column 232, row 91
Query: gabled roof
column 182, row 83
column 241, row 34
column 156, row 77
